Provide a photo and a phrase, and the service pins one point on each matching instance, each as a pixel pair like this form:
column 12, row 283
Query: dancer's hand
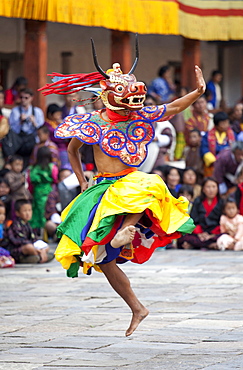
column 201, row 85
column 84, row 186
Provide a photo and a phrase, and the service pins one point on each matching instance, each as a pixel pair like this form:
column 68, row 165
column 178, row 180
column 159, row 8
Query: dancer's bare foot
column 123, row 237
column 136, row 319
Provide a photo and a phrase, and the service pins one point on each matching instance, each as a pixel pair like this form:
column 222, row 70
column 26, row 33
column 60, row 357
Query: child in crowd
column 192, row 153
column 5, row 259
column 187, row 192
column 231, row 225
column 2, row 219
column 20, row 239
column 54, row 118
column 16, row 179
column 42, row 176
column 54, row 207
column 189, row 177
column 5, row 196
column 43, row 133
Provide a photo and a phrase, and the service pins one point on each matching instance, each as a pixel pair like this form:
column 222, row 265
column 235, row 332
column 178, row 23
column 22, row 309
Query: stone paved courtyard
column 195, row 299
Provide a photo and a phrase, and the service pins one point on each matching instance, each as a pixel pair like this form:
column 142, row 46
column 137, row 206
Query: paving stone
column 195, row 299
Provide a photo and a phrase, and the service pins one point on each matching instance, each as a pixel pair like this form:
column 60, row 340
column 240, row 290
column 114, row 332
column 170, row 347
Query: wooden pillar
column 191, row 56
column 121, row 50
column 241, row 63
column 35, row 59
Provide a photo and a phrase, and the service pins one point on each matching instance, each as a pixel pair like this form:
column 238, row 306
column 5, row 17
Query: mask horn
column 137, row 56
column 99, row 69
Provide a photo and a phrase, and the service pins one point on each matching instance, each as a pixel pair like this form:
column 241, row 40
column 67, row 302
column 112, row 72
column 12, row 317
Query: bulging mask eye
column 119, row 88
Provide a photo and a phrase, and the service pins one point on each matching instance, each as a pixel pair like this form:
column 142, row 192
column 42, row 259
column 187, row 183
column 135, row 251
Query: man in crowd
column 226, row 168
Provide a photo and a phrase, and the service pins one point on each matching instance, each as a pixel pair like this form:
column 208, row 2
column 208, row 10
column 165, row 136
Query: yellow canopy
column 195, row 19
column 142, row 16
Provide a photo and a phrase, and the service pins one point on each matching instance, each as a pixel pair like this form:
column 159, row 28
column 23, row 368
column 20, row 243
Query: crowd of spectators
column 35, row 175
column 34, row 166
column 209, row 140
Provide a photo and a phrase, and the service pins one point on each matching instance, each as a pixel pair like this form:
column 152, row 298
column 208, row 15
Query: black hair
column 2, row 204
column 196, row 130
column 44, row 157
column 200, row 97
column 4, row 181
column 20, row 81
column 227, row 201
column 19, row 203
column 220, row 116
column 169, row 168
column 53, row 108
column 61, row 170
column 28, row 91
column 148, row 96
column 186, row 189
column 190, row 169
column 205, row 180
column 162, row 70
column 44, row 128
column 216, row 72
column 15, row 157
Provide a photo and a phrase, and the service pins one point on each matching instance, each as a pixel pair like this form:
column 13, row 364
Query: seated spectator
column 231, row 226
column 5, row 259
column 5, row 197
column 54, row 118
column 162, row 88
column 200, row 118
column 43, row 133
column 192, row 153
column 42, row 176
column 12, row 95
column 24, row 121
column 21, row 240
column 239, row 191
column 206, row 212
column 236, row 119
column 16, row 179
column 187, row 192
column 217, row 139
column 173, row 180
column 54, row 207
column 189, row 177
column 226, row 168
column 70, row 106
column 2, row 220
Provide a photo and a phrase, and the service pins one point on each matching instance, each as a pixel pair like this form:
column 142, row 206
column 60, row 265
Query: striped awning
column 211, row 20
column 195, row 19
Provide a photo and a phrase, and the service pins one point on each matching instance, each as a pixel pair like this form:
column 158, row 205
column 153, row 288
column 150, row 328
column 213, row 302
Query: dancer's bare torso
column 105, row 163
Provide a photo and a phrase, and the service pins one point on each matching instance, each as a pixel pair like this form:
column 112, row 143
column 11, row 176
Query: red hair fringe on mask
column 70, row 83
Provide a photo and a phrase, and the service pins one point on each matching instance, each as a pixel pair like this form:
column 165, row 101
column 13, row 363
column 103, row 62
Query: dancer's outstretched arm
column 180, row 104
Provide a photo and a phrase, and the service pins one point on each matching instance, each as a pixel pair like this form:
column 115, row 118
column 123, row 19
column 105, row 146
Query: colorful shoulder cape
column 126, row 140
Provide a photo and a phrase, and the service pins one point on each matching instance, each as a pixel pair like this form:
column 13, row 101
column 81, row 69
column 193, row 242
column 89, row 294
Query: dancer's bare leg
column 127, row 232
column 121, row 284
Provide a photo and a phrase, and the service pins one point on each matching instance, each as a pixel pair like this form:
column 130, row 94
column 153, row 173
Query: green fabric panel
column 73, row 270
column 80, row 210
column 187, row 227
